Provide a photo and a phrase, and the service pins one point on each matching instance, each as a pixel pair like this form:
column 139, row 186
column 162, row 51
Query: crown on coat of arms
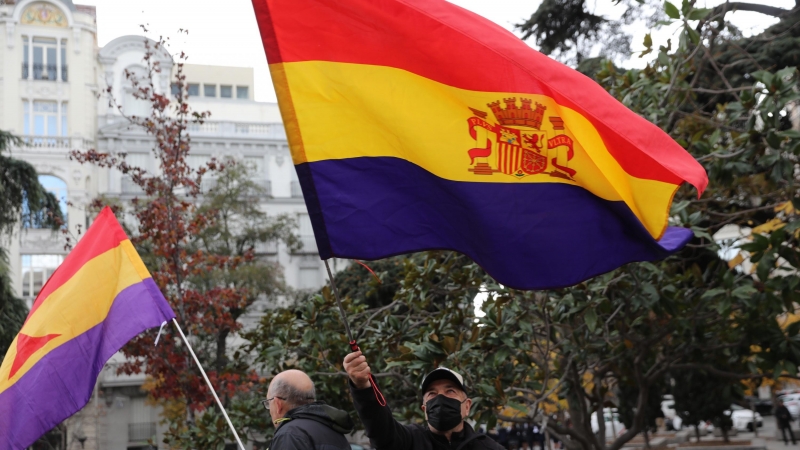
column 514, row 115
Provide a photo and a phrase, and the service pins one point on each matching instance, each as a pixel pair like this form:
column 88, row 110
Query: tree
column 23, row 200
column 199, row 245
column 570, row 32
column 701, row 397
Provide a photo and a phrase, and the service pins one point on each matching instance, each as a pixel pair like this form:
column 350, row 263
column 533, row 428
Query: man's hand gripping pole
column 353, row 344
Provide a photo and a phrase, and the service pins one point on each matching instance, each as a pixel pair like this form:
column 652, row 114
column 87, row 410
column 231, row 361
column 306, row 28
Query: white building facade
column 52, row 73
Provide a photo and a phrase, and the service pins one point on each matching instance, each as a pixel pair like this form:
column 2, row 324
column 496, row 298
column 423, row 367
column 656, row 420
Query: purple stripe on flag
column 526, row 235
column 61, row 383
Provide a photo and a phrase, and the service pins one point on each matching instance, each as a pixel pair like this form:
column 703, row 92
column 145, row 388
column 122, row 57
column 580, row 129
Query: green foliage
column 701, row 397
column 22, row 198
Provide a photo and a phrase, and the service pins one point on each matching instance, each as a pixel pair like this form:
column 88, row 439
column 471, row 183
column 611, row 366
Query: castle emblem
column 517, row 144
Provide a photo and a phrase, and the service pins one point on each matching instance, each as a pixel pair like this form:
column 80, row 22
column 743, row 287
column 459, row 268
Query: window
column 175, row 88
column 42, row 119
column 36, row 270
column 63, row 60
column 131, row 105
column 197, row 161
column 44, row 59
column 193, row 89
column 256, row 166
column 40, row 58
column 209, row 90
column 308, row 278
column 64, row 129
column 242, row 92
column 226, row 91
column 57, row 187
column 25, row 57
column 306, row 233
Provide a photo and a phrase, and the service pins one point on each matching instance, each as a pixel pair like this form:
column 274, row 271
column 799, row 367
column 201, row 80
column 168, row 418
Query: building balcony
column 44, row 72
column 239, row 129
column 53, row 142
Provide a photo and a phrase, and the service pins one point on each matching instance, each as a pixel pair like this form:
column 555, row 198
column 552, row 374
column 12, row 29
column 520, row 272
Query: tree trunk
column 725, row 434
column 697, row 431
column 646, row 438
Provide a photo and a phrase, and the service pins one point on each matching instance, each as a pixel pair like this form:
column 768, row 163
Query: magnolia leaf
column 672, row 10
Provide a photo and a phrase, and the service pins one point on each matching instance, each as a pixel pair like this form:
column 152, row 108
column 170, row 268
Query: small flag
column 100, row 297
column 417, row 125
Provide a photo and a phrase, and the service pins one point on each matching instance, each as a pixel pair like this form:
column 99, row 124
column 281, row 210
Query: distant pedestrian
column 784, row 422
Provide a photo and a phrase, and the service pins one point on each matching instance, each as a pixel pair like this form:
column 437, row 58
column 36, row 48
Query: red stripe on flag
column 104, row 234
column 442, row 42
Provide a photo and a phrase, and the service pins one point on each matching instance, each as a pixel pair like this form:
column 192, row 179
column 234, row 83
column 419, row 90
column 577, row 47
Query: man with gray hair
column 302, row 422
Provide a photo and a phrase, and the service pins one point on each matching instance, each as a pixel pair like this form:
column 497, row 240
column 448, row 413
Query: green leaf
column 744, row 292
column 672, row 10
column 517, row 406
column 698, row 14
column 591, row 319
column 712, row 293
column 762, row 76
column 693, row 34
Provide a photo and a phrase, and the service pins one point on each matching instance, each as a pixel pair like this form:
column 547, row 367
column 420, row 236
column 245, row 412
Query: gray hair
column 292, row 395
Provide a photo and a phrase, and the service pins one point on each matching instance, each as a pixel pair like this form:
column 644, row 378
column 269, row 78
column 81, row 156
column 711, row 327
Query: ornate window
column 131, row 105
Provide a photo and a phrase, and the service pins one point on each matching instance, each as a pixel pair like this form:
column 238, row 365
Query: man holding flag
column 444, row 401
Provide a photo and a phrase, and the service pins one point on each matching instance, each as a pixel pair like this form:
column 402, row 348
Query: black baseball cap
column 442, row 373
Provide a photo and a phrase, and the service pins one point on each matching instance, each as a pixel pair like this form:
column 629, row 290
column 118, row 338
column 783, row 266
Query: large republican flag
column 98, row 299
column 418, row 125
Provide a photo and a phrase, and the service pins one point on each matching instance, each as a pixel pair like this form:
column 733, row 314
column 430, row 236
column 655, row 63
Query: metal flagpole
column 352, row 342
column 224, row 413
column 353, row 345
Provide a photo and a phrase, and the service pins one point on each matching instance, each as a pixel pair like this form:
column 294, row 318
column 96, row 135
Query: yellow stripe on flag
column 79, row 304
column 354, row 110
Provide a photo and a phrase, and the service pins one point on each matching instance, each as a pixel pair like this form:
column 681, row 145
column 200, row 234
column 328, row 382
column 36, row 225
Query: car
column 676, row 423
column 668, row 407
column 613, row 428
column 744, row 418
column 356, row 447
column 792, row 403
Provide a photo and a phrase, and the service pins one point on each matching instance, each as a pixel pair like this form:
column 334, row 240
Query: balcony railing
column 239, row 129
column 44, row 72
column 138, row 432
column 297, row 191
column 65, row 142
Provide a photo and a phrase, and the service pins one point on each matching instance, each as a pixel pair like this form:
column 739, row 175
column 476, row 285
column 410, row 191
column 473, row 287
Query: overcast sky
column 226, row 34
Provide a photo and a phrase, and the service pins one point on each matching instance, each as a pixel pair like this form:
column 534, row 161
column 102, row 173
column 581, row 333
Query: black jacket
column 316, row 426
column 385, row 433
column 783, row 416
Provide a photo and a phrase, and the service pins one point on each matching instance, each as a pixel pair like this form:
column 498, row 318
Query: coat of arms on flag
column 519, row 142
